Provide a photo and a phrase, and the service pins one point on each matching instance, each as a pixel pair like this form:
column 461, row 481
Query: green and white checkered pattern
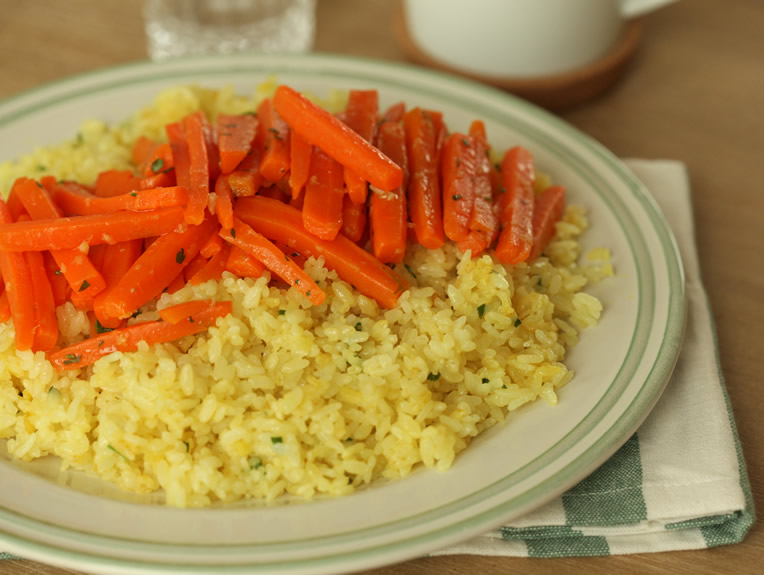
column 680, row 482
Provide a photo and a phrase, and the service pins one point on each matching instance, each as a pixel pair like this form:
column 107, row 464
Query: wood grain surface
column 694, row 92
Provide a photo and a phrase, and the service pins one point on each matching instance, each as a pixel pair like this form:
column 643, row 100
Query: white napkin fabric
column 680, row 482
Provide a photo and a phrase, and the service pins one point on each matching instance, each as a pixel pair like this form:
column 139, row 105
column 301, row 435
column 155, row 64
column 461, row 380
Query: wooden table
column 693, row 93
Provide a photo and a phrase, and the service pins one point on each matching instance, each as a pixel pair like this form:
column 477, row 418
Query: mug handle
column 632, row 8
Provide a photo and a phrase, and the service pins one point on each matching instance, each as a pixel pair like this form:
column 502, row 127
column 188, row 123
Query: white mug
column 519, row 38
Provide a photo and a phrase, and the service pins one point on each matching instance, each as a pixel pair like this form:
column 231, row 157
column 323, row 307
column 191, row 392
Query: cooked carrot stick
column 18, row 285
column 213, row 269
column 84, row 299
column 126, row 339
column 360, row 116
column 5, row 307
column 394, row 113
column 74, row 200
column 322, row 209
column 182, row 311
column 56, row 278
column 516, row 236
column 194, row 127
column 274, row 135
column 82, row 276
column 283, row 223
column 424, row 197
column 113, row 183
column 323, row 130
column 257, row 245
column 300, row 153
column 212, row 246
column 224, row 202
column 178, row 283
column 196, row 264
column 46, row 329
column 72, row 232
column 177, row 139
column 235, row 136
column 548, row 209
column 484, row 221
column 118, row 259
column 156, row 268
column 15, row 207
column 387, row 210
column 159, row 162
column 242, row 264
column 354, row 218
column 247, row 179
column 459, row 169
column 143, row 148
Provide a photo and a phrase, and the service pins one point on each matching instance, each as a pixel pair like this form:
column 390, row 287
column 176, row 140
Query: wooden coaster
column 555, row 92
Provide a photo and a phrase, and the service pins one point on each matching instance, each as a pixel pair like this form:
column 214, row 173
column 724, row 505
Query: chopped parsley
column 486, row 380
column 85, row 285
column 466, row 142
column 358, row 326
column 58, row 272
column 456, row 197
column 277, row 439
column 71, row 358
column 282, row 311
column 101, row 329
column 433, row 376
column 408, row 268
column 297, row 282
column 518, row 321
column 157, row 165
column 255, row 462
column 41, row 168
column 233, row 233
column 180, row 257
column 134, row 194
column 115, row 450
column 188, row 446
column 481, row 310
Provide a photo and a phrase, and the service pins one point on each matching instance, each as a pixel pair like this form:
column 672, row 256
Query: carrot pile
column 252, row 192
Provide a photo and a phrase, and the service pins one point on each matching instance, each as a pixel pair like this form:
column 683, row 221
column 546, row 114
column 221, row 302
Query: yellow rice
column 284, row 398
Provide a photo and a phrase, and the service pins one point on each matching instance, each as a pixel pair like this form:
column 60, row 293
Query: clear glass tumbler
column 186, row 27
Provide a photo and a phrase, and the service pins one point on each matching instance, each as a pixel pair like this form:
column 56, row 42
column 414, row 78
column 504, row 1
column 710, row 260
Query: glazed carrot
column 180, row 154
column 5, row 307
column 484, row 222
column 199, row 167
column 182, row 311
column 281, row 222
column 224, row 202
column 274, row 135
column 548, row 209
column 58, row 283
column 196, row 264
column 213, row 269
column 242, row 264
column 18, row 285
column 246, row 180
column 126, row 339
column 326, row 132
column 73, row 200
column 235, row 136
column 46, row 329
column 72, row 232
column 459, row 169
column 516, row 236
column 82, row 276
column 156, row 268
column 394, row 113
column 113, row 183
column 322, row 209
column 212, row 246
column 160, row 161
column 360, row 116
column 387, row 210
column 258, row 246
column 300, row 153
column 143, row 149
column 118, row 259
column 15, row 207
column 178, row 283
column 354, row 218
column 424, row 195
column 293, row 254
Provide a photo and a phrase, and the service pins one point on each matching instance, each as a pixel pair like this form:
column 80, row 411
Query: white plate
column 621, row 366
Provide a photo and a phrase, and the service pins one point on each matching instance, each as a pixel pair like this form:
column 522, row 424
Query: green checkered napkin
column 680, row 482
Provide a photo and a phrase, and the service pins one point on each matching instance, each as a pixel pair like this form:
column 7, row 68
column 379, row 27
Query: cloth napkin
column 680, row 481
